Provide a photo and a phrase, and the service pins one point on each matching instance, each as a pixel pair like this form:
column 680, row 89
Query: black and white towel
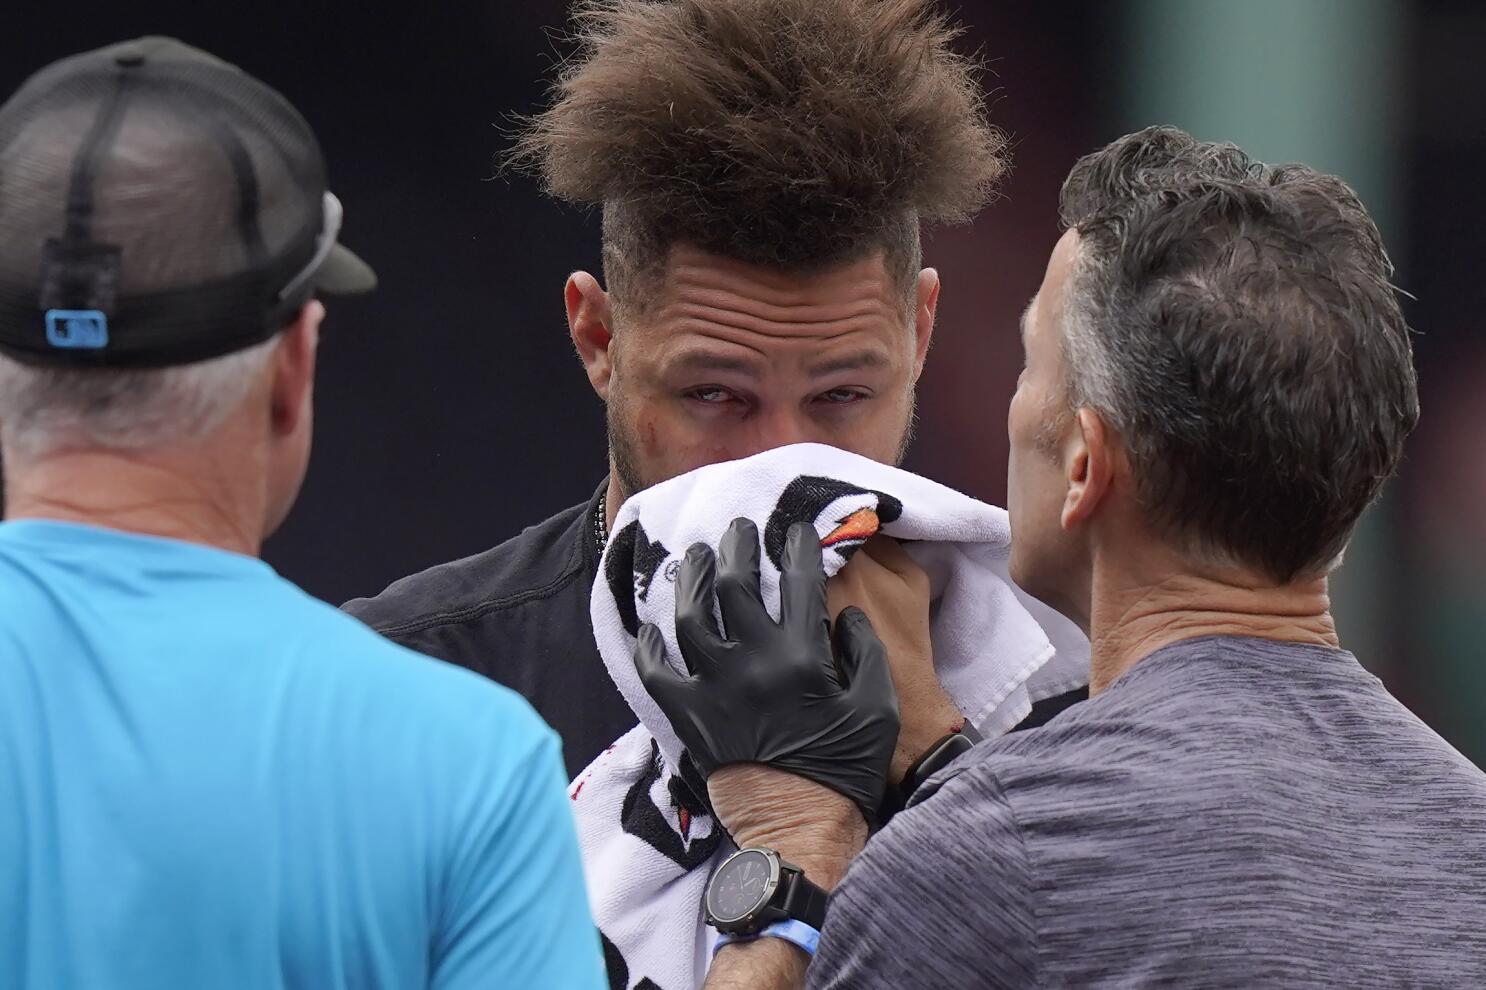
column 648, row 843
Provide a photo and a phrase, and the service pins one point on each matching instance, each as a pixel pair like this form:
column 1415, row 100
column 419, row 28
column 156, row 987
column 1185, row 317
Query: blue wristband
column 789, row 929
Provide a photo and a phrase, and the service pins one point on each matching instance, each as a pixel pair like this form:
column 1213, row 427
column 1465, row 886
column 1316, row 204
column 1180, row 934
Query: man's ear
column 590, row 323
column 925, row 308
column 1089, row 464
column 293, row 385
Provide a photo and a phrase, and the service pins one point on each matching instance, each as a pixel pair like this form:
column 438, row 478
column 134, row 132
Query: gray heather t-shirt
column 1229, row 813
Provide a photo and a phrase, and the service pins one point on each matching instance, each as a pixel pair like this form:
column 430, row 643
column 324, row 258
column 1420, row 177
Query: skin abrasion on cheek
column 649, row 435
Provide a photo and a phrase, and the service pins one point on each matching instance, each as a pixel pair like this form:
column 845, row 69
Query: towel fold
column 648, row 843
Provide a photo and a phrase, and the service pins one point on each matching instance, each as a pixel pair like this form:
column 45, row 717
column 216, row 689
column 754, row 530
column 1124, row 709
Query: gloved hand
column 769, row 692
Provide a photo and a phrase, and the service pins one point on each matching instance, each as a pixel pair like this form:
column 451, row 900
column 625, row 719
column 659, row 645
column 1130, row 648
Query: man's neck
column 150, row 494
column 613, row 501
column 1131, row 619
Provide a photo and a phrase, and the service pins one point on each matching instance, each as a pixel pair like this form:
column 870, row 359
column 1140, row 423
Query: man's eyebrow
column 710, row 361
column 860, row 361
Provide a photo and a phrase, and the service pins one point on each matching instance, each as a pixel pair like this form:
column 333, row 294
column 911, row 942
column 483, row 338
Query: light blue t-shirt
column 209, row 779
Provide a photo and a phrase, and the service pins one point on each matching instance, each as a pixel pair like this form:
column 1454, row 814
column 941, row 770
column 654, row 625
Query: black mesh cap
column 158, row 206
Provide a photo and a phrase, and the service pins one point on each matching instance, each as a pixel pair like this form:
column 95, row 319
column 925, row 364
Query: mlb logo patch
column 77, row 329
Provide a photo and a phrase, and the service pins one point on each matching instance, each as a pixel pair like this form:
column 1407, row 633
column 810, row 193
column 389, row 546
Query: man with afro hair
column 763, row 169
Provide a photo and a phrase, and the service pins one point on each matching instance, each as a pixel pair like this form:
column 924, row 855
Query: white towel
column 648, row 847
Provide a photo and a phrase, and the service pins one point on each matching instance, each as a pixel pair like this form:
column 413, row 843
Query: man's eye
column 710, row 395
column 842, row 396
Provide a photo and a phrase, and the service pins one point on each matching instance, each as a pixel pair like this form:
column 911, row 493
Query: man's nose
column 782, row 427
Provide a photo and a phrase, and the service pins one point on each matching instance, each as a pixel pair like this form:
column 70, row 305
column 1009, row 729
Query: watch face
column 740, row 887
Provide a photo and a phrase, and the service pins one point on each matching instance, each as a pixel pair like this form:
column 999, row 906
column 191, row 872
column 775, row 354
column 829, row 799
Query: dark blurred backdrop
column 452, row 411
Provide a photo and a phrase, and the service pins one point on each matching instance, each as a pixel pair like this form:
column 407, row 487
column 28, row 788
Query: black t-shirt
column 518, row 614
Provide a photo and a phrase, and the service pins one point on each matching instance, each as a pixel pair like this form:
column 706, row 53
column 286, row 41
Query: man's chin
column 1015, row 568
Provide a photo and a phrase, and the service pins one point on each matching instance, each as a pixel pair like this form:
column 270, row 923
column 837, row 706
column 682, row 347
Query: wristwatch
column 940, row 755
column 753, row 889
column 936, row 758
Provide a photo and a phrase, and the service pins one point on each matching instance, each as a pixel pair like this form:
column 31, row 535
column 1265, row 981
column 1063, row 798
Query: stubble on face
column 1057, row 417
column 624, row 449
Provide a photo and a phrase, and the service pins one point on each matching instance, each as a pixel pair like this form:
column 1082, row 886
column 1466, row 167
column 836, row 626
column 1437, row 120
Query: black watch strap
column 940, row 755
column 803, row 900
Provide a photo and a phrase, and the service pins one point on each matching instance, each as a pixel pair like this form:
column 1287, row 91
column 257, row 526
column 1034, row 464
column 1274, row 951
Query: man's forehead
column 1047, row 304
column 1062, row 261
column 708, row 308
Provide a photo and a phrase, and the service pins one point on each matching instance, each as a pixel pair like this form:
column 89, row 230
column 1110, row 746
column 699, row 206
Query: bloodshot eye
column 710, row 395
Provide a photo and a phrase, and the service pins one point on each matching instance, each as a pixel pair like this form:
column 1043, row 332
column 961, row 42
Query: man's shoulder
column 1094, row 752
column 408, row 727
column 538, row 563
column 1171, row 709
column 1190, row 726
column 1154, row 724
column 347, row 650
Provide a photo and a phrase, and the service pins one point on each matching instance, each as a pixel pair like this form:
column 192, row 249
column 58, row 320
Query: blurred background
column 452, row 412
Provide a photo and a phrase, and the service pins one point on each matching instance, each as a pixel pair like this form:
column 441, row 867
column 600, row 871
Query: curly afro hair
column 798, row 134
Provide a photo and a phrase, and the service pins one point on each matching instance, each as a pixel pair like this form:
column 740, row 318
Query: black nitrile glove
column 773, row 692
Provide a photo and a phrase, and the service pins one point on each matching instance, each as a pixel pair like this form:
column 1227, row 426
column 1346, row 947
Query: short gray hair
column 47, row 409
column 1236, row 323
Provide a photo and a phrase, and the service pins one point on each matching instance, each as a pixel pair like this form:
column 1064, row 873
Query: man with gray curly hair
column 1218, row 382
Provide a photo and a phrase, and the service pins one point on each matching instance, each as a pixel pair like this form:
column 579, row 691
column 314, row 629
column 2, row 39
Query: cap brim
column 344, row 274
